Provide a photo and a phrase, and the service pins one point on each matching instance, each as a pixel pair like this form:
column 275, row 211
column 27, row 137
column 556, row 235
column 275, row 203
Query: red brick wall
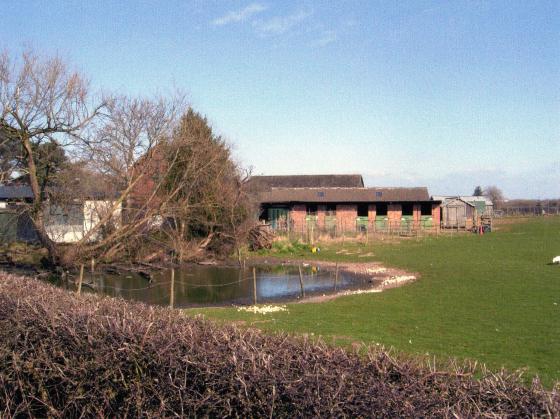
column 150, row 169
column 346, row 216
column 416, row 211
column 297, row 215
column 321, row 209
column 394, row 212
column 436, row 214
column 416, row 214
column 372, row 211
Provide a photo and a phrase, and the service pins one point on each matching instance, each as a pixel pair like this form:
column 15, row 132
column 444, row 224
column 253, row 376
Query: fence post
column 336, row 276
column 172, row 295
column 81, row 279
column 301, row 281
column 254, row 285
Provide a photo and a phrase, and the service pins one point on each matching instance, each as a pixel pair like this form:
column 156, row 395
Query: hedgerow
column 63, row 355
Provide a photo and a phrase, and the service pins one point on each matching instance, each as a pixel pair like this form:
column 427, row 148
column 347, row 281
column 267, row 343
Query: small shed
column 457, row 213
column 484, row 205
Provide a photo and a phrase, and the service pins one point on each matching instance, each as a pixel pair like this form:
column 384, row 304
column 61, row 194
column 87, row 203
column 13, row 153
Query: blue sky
column 447, row 94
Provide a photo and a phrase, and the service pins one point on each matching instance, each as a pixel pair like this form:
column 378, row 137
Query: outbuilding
column 457, row 213
column 64, row 223
column 341, row 202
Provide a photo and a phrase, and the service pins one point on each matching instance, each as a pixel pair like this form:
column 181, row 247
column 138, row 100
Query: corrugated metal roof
column 471, row 199
column 15, row 192
column 306, row 181
column 474, row 199
column 319, row 195
column 453, row 200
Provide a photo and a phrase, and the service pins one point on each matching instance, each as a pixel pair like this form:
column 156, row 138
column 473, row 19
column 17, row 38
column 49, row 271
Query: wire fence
column 314, row 232
column 171, row 284
column 527, row 211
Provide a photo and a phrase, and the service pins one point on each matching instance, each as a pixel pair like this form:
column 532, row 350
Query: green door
column 362, row 224
column 278, row 217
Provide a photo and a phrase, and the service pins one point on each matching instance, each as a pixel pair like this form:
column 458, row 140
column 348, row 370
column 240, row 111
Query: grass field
column 492, row 298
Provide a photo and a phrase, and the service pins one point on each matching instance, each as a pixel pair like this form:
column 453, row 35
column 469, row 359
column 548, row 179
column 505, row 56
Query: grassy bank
column 491, row 298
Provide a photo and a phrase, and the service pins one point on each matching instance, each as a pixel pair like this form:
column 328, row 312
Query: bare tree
column 132, row 128
column 190, row 191
column 43, row 102
column 174, row 177
column 478, row 191
column 495, row 195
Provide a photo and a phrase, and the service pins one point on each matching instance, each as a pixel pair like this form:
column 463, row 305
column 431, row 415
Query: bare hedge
column 68, row 356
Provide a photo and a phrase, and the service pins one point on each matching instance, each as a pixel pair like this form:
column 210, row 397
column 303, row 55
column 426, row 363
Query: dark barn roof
column 18, row 192
column 305, row 181
column 15, row 192
column 341, row 195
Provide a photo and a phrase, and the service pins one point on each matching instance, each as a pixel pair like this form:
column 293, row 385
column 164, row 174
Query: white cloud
column 327, row 37
column 239, row 15
column 280, row 24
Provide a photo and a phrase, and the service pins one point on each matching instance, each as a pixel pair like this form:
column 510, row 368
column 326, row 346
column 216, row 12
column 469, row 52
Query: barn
column 341, row 202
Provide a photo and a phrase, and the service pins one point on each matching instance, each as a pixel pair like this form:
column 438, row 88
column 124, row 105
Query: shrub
column 63, row 355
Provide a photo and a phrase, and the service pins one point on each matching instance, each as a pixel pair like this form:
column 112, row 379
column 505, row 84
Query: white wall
column 70, row 228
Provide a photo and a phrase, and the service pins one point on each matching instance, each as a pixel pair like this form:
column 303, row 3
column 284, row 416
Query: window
column 311, row 209
column 407, row 209
column 331, row 210
column 321, row 194
column 378, row 194
column 362, row 210
column 381, row 209
column 426, row 208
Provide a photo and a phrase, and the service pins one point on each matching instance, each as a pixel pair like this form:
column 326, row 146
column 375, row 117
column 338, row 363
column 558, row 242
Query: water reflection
column 212, row 285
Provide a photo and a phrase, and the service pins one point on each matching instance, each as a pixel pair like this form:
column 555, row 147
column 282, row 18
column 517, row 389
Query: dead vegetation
column 68, row 356
column 260, row 237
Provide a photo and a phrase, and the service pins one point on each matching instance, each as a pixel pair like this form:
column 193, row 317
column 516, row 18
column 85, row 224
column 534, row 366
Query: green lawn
column 492, row 298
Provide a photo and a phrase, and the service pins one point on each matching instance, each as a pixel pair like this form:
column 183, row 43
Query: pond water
column 198, row 285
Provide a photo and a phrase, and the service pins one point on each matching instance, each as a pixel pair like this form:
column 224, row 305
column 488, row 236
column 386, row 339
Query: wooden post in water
column 336, row 276
column 172, row 294
column 301, row 281
column 81, row 279
column 254, row 285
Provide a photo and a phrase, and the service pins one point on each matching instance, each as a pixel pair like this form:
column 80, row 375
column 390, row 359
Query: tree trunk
column 38, row 211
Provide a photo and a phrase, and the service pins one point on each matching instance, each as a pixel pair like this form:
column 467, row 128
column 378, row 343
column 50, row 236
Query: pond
column 198, row 285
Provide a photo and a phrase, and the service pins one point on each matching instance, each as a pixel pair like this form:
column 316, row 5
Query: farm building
column 341, row 202
column 464, row 211
column 15, row 225
column 457, row 213
column 66, row 223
